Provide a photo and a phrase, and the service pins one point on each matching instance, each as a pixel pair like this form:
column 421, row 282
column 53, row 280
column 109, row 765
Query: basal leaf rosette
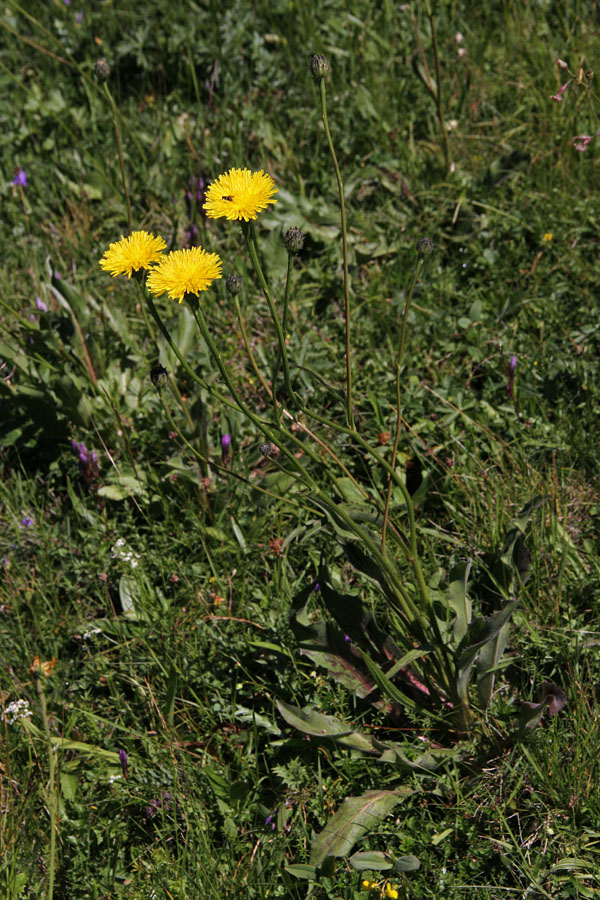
column 239, row 194
column 184, row 272
column 137, row 251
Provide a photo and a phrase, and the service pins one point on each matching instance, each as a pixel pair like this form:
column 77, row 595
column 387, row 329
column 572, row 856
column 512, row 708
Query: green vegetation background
column 178, row 660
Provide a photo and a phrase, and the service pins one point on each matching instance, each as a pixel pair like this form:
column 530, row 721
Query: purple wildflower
column 20, row 178
column 347, row 638
column 78, row 17
column 316, row 587
column 510, row 386
column 225, row 442
column 582, row 141
column 27, row 522
column 40, row 305
column 87, row 461
column 195, row 195
column 123, row 761
column 559, row 97
column 191, row 233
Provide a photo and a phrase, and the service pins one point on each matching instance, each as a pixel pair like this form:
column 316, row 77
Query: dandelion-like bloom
column 239, row 194
column 138, row 251
column 184, row 272
column 547, row 237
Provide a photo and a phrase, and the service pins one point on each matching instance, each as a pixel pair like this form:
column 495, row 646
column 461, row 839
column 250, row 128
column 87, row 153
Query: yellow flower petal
column 138, row 251
column 184, row 272
column 239, row 194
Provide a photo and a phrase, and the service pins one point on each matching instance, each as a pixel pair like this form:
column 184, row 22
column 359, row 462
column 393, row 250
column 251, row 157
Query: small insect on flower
column 239, row 194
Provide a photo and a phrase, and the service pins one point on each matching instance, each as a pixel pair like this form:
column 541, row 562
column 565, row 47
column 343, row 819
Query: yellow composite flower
column 239, row 194
column 38, row 667
column 184, row 272
column 547, row 237
column 138, row 251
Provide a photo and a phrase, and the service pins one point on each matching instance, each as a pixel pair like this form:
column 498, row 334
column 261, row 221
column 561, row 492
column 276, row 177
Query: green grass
column 181, row 659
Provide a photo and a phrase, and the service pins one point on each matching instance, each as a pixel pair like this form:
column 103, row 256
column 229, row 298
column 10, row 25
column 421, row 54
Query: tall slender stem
column 251, row 244
column 399, row 358
column 120, row 152
column 338, row 175
column 52, row 786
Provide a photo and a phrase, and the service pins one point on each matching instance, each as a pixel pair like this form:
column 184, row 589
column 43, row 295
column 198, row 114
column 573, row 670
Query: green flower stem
column 438, row 89
column 52, row 786
column 113, row 108
column 286, row 296
column 228, row 472
column 251, row 244
column 248, row 348
column 266, row 430
column 399, row 359
column 338, row 175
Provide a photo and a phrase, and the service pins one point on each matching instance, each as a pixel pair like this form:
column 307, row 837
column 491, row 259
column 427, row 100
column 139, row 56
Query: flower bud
column 293, row 240
column 265, row 449
column 159, row 377
column 102, row 69
column 233, row 283
column 319, row 66
column 424, row 246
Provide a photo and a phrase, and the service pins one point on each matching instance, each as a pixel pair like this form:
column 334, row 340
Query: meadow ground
column 263, row 635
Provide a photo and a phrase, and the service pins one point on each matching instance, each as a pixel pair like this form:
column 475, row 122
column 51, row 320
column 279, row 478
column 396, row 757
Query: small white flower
column 121, row 552
column 89, row 634
column 17, row 711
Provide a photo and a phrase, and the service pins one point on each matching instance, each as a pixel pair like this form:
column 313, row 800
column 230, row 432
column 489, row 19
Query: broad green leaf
column 355, row 818
column 375, row 860
column 127, row 589
column 487, row 662
column 458, row 600
column 302, row 871
column 483, row 631
column 406, row 864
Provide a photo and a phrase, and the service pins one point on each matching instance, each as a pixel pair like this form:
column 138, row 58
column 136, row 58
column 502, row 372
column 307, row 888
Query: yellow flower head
column 369, row 885
column 184, row 272
column 239, row 194
column 391, row 892
column 132, row 253
column 547, row 237
column 38, row 667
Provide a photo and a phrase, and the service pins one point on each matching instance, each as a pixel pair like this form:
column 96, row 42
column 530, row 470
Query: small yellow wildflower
column 239, row 194
column 184, row 272
column 368, row 885
column 132, row 253
column 391, row 892
column 38, row 667
column 547, row 237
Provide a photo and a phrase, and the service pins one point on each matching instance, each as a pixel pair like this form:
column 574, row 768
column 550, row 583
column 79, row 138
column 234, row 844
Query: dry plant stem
column 338, row 175
column 120, row 151
column 399, row 359
column 52, row 786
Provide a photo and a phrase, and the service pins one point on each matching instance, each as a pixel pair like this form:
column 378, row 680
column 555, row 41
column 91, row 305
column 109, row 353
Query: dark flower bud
column 265, row 449
column 102, row 69
column 424, row 246
column 293, row 240
column 319, row 66
column 233, row 283
column 159, row 376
